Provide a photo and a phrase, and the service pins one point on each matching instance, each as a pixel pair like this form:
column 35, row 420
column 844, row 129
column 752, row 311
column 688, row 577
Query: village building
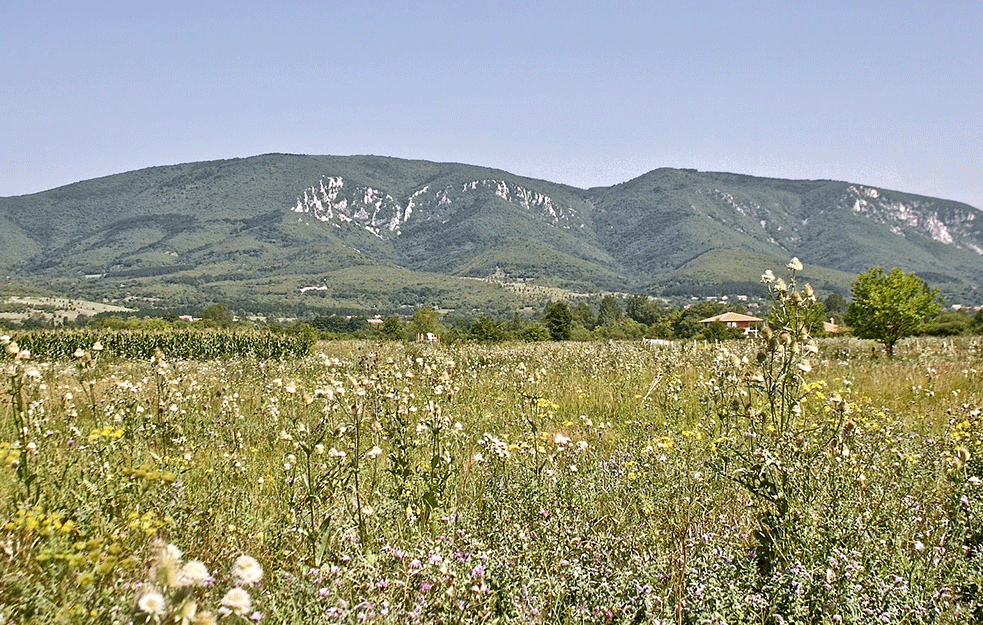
column 735, row 320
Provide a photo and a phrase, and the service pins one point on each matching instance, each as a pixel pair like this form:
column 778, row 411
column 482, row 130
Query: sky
column 884, row 93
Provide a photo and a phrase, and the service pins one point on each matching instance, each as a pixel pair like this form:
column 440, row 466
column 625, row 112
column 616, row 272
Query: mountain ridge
column 176, row 234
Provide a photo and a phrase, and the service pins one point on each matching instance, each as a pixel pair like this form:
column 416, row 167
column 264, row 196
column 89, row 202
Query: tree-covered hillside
column 267, row 229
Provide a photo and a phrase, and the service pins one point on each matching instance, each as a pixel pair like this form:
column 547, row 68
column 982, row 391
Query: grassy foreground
column 531, row 483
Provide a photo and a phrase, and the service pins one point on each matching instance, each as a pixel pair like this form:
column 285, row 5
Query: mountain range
column 367, row 234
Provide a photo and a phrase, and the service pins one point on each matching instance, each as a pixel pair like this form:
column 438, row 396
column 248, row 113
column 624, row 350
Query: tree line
column 885, row 307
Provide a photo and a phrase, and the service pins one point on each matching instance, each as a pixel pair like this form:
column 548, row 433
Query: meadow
column 771, row 480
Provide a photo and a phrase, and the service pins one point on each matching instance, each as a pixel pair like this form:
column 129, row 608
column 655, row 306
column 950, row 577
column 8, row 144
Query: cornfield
column 176, row 345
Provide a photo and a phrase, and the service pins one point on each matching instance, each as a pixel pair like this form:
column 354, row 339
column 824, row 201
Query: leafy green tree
column 661, row 328
column 392, row 329
column 610, row 311
column 558, row 321
column 948, row 323
column 715, row 331
column 426, row 320
column 218, row 314
column 533, row 333
column 337, row 324
column 646, row 311
column 485, row 330
column 835, row 303
column 634, row 306
column 889, row 307
column 976, row 324
column 623, row 329
column 583, row 315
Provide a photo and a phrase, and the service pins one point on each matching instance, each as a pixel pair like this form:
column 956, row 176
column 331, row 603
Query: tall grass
column 533, row 483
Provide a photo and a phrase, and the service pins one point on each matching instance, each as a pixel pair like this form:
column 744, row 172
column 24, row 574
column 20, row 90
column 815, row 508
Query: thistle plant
column 85, row 364
column 768, row 442
column 317, row 467
column 20, row 373
column 420, row 435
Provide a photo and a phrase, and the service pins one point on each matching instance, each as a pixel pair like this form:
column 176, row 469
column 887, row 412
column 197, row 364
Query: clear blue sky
column 888, row 93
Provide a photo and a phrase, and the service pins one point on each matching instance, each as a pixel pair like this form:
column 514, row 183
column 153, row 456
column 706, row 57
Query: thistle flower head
column 193, row 573
column 152, row 603
column 247, row 570
column 236, row 601
column 795, row 264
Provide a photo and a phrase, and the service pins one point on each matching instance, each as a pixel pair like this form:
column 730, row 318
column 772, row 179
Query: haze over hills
column 374, row 234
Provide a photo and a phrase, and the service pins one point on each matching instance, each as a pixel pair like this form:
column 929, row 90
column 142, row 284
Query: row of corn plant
column 176, row 344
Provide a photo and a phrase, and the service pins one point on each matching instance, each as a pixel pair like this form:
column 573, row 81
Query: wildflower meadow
column 775, row 479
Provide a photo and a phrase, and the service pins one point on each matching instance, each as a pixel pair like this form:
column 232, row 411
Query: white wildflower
column 194, row 573
column 152, row 603
column 172, row 552
column 247, row 571
column 236, row 600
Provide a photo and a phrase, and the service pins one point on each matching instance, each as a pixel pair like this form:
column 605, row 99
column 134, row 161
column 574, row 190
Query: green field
column 532, row 483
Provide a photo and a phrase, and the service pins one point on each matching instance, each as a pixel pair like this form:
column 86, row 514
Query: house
column 734, row 320
column 830, row 327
